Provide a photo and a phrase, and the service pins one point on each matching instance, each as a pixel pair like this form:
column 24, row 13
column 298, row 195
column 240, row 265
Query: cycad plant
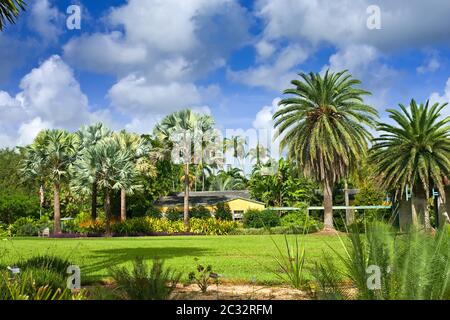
column 414, row 152
column 323, row 125
column 383, row 265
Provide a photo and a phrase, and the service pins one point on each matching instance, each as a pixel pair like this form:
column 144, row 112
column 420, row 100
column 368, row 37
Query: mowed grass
column 237, row 258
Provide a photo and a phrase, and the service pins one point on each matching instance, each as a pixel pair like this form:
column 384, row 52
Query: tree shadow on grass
column 108, row 258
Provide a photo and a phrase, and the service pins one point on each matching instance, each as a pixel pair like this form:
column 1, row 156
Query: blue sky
column 134, row 61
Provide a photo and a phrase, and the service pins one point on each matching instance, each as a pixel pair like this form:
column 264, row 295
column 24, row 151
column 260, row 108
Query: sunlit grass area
column 237, row 258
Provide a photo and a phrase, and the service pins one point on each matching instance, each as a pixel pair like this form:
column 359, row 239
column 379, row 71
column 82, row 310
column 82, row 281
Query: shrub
column 266, row 231
column 223, row 211
column 153, row 213
column 15, row 206
column 213, row 226
column 3, row 231
column 164, row 225
column 89, row 226
column 24, row 286
column 200, row 212
column 174, row 214
column 261, row 219
column 28, row 227
column 44, row 277
column 143, row 283
column 299, row 220
column 46, row 262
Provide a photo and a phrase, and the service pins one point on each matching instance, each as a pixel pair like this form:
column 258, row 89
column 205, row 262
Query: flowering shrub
column 89, row 226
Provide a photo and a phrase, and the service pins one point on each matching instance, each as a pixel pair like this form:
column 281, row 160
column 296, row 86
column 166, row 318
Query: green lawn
column 238, row 258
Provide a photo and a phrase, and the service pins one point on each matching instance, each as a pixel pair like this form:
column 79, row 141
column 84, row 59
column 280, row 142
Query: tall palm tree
column 89, row 137
column 115, row 171
column 237, row 144
column 54, row 151
column 33, row 165
column 9, row 11
column 138, row 148
column 324, row 127
column 415, row 152
column 188, row 126
column 258, row 153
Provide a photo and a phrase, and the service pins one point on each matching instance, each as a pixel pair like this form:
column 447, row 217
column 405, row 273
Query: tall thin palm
column 237, row 145
column 189, row 127
column 324, row 127
column 115, row 171
column 258, row 153
column 33, row 165
column 54, row 151
column 139, row 148
column 89, row 137
column 415, row 152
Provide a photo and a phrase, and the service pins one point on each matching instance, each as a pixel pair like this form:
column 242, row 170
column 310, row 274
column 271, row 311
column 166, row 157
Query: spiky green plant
column 291, row 262
column 143, row 282
column 24, row 287
column 413, row 266
column 324, row 127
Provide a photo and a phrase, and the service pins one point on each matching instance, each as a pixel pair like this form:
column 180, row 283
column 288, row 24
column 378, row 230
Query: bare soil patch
column 239, row 292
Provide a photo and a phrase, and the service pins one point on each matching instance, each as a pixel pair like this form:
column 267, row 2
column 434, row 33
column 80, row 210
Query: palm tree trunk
column 94, row 202
column 203, row 181
column 123, row 205
column 186, row 197
column 328, row 205
column 41, row 199
column 421, row 215
column 108, row 212
column 349, row 213
column 57, row 208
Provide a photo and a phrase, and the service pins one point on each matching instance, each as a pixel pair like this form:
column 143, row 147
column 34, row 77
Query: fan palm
column 415, row 152
column 51, row 153
column 114, row 171
column 138, row 148
column 324, row 127
column 237, row 144
column 258, row 153
column 33, row 165
column 9, row 11
column 188, row 126
column 89, row 137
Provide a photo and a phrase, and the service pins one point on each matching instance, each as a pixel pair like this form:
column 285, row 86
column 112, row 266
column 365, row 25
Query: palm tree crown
column 415, row 151
column 9, row 11
column 323, row 126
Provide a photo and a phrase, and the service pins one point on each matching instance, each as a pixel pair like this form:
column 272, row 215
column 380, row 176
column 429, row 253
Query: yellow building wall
column 235, row 205
column 243, row 205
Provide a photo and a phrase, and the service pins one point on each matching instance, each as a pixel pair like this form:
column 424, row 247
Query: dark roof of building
column 204, row 198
